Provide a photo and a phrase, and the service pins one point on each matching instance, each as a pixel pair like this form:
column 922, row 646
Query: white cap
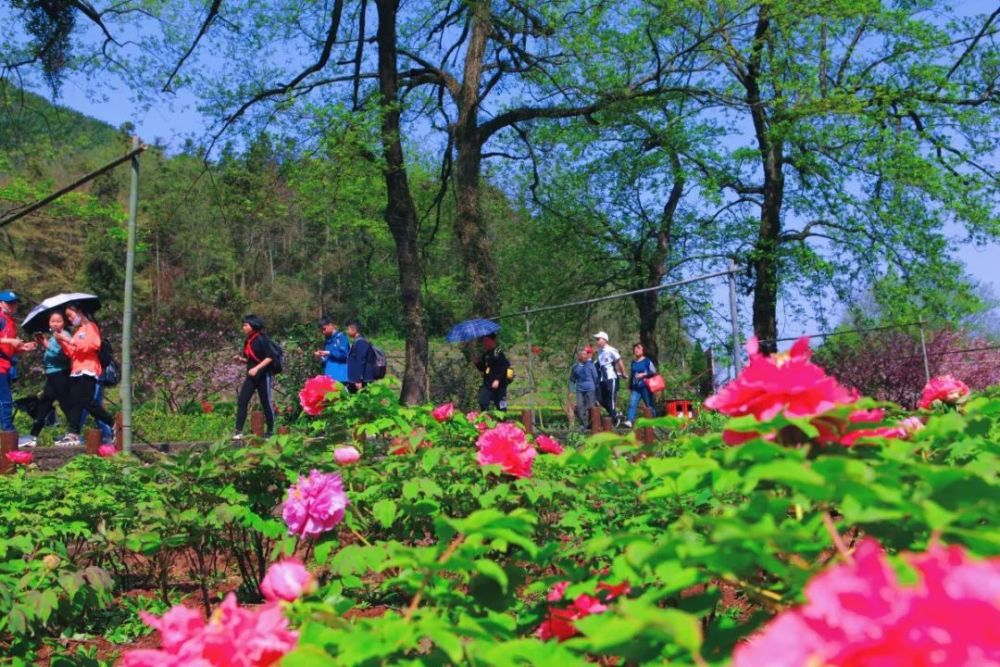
column 601, row 334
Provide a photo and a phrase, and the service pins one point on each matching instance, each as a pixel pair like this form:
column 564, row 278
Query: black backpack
column 111, row 373
column 277, row 356
column 381, row 363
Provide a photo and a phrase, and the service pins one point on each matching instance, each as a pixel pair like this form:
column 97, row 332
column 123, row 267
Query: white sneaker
column 238, row 436
column 68, row 440
column 627, row 424
column 28, row 441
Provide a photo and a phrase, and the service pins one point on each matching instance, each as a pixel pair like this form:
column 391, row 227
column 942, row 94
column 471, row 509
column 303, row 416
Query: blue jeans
column 641, row 394
column 6, row 404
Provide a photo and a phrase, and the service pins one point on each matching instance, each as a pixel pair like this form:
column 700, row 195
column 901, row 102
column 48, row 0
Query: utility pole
column 126, row 390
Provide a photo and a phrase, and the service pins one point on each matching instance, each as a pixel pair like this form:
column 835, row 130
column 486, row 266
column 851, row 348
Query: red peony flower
column 945, row 389
column 535, row 350
column 548, row 445
column 207, row 407
column 20, row 457
column 443, row 413
column 784, row 383
column 232, row 636
column 859, row 615
column 315, row 394
column 558, row 623
column 505, row 445
column 107, row 451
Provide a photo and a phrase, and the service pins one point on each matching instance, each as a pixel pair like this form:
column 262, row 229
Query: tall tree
column 400, row 213
column 870, row 126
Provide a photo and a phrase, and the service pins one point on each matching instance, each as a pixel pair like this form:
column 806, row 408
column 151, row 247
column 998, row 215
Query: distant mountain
column 30, row 124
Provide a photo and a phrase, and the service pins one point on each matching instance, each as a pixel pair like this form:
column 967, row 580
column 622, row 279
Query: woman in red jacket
column 84, row 368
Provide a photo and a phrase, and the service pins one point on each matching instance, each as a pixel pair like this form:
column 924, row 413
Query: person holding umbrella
column 56, row 366
column 10, row 345
column 82, row 348
column 493, row 364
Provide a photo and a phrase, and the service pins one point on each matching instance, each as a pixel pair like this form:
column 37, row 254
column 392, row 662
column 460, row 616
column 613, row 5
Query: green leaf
column 385, row 512
column 491, row 569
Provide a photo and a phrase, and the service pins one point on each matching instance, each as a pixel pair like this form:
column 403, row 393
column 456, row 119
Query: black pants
column 81, row 397
column 261, row 385
column 489, row 395
column 607, row 395
column 56, row 389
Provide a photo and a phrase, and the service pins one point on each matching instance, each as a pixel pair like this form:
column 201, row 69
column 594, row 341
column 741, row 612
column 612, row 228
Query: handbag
column 655, row 383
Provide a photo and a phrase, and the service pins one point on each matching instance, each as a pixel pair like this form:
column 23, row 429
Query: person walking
column 55, row 363
column 583, row 382
column 336, row 347
column 609, row 369
column 259, row 378
column 360, row 360
column 82, row 348
column 642, row 369
column 10, row 346
column 493, row 364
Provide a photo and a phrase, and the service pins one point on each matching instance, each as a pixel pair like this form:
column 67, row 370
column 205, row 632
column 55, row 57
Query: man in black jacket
column 493, row 365
column 360, row 360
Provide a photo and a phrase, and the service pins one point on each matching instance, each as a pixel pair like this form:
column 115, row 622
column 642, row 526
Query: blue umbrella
column 471, row 330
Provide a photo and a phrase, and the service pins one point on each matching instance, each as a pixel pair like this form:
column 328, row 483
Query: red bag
column 655, row 383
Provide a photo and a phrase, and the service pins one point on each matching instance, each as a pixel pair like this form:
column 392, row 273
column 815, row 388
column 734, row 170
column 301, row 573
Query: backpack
column 381, row 363
column 111, row 373
column 510, row 374
column 277, row 356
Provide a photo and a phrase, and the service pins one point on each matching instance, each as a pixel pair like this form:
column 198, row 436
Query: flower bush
column 688, row 551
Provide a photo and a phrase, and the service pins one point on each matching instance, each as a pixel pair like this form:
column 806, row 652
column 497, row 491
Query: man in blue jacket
column 335, row 350
column 360, row 360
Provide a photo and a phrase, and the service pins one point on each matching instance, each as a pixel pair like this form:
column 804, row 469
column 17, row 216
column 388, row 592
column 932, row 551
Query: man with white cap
column 609, row 369
column 10, row 345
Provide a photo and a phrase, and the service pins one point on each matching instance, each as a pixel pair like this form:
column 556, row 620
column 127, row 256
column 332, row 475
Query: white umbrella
column 38, row 319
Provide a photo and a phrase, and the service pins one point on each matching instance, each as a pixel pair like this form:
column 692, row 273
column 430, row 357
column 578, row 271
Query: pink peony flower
column 346, row 455
column 788, row 383
column 557, row 591
column 505, row 445
column 443, row 413
column 233, row 636
column 107, row 451
column 548, row 445
column 315, row 504
column 287, row 580
column 859, row 614
column 314, row 397
column 20, row 457
column 943, row 388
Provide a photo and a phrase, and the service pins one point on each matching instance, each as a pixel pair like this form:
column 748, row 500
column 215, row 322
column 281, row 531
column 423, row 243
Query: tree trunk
column 655, row 265
column 400, row 212
column 765, row 253
column 470, row 226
